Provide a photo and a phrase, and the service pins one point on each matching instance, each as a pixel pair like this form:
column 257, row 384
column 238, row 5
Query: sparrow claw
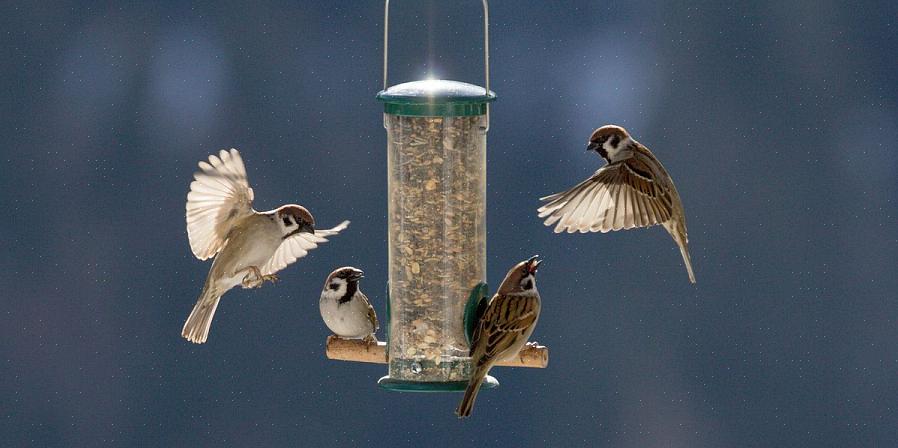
column 273, row 278
column 254, row 279
column 370, row 339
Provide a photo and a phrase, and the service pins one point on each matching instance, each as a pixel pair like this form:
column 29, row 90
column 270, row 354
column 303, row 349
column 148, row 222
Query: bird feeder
column 436, row 163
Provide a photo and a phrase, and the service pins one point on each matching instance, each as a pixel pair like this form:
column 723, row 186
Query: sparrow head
column 294, row 219
column 521, row 279
column 608, row 141
column 342, row 281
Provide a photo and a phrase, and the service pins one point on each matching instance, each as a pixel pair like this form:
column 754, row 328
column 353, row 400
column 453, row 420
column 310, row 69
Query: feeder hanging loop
column 486, row 52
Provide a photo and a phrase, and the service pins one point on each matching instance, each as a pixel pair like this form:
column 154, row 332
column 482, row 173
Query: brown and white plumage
column 632, row 190
column 504, row 327
column 344, row 308
column 249, row 246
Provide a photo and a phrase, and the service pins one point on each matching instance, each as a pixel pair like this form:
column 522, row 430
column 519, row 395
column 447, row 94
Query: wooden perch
column 532, row 355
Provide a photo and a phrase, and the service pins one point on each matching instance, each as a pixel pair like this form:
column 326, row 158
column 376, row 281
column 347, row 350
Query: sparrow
column 632, row 190
column 249, row 246
column 504, row 326
column 344, row 308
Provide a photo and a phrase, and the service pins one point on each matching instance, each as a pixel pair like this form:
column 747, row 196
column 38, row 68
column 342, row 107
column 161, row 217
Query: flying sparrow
column 504, row 326
column 632, row 190
column 344, row 308
column 249, row 246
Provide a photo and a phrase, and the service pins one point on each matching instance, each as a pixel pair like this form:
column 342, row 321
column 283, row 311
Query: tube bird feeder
column 436, row 163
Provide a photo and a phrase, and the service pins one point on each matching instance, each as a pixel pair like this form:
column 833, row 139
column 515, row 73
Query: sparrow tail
column 684, row 250
column 678, row 234
column 467, row 402
column 196, row 329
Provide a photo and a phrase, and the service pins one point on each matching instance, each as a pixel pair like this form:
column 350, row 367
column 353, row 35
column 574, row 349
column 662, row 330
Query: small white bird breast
column 348, row 319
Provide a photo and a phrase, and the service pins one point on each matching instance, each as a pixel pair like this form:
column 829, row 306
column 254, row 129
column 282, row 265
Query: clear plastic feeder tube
column 437, row 241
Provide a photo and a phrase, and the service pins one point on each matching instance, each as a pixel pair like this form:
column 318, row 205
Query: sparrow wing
column 504, row 323
column 372, row 316
column 219, row 197
column 296, row 247
column 621, row 195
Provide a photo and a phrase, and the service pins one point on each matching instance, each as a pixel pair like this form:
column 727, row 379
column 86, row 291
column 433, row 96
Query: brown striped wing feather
column 622, row 195
column 372, row 316
column 504, row 323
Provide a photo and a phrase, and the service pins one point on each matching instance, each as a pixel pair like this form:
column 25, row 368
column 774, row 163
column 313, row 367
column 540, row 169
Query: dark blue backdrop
column 778, row 120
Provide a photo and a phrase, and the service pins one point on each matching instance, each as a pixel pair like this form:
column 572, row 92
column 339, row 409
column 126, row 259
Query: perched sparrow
column 344, row 308
column 504, row 326
column 632, row 190
column 250, row 246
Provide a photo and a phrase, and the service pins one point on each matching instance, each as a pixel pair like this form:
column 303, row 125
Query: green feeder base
column 473, row 308
column 432, row 386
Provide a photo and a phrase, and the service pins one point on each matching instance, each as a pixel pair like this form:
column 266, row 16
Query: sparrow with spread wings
column 249, row 246
column 632, row 190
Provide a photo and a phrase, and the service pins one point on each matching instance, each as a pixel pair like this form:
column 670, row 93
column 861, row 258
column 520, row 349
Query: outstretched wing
column 298, row 246
column 219, row 197
column 622, row 195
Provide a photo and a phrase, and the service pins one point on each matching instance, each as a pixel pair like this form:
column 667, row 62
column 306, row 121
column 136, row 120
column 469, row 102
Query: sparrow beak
column 593, row 146
column 357, row 274
column 308, row 228
column 533, row 264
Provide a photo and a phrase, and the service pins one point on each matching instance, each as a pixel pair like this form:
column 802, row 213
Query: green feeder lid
column 435, row 98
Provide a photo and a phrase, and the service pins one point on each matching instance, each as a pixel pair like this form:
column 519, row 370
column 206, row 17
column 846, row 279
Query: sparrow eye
column 334, row 286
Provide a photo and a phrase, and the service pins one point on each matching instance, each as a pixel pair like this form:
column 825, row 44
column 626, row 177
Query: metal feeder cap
column 436, row 98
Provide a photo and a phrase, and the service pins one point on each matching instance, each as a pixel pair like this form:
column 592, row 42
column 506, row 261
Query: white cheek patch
column 332, row 293
column 615, row 152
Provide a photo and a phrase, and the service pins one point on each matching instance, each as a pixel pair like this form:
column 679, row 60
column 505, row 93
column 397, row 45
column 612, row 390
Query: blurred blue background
column 778, row 121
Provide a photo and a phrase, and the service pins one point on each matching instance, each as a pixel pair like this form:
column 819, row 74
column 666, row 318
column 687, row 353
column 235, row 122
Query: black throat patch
column 599, row 146
column 351, row 288
column 603, row 152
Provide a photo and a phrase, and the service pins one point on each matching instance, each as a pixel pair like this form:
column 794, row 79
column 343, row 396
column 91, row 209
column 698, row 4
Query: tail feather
column 677, row 231
column 196, row 329
column 467, row 402
column 684, row 251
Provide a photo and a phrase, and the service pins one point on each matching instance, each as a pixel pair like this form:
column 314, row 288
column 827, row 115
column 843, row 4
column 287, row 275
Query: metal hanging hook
column 486, row 45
